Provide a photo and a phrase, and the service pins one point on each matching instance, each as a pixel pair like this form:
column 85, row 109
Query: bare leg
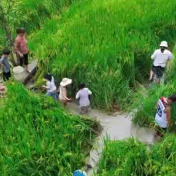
column 26, row 67
column 158, row 81
column 151, row 75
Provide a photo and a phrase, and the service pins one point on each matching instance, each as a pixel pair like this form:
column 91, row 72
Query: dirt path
column 116, row 126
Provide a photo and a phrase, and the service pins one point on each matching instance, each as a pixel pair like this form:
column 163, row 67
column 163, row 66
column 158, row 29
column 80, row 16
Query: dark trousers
column 23, row 60
column 6, row 76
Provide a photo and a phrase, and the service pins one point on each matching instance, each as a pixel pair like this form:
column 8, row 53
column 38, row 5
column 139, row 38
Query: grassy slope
column 106, row 44
column 39, row 138
column 145, row 114
column 131, row 157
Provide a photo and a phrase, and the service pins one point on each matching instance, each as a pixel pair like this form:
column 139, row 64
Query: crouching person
column 50, row 86
column 163, row 114
column 83, row 97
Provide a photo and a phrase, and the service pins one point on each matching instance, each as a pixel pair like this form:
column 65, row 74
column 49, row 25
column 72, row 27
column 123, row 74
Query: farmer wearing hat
column 5, row 65
column 21, row 48
column 161, row 57
column 63, row 90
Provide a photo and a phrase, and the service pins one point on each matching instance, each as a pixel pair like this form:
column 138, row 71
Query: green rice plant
column 95, row 38
column 146, row 105
column 131, row 157
column 38, row 137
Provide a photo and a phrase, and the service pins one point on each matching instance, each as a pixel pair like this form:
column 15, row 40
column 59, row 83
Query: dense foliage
column 146, row 104
column 105, row 43
column 130, row 157
column 39, row 138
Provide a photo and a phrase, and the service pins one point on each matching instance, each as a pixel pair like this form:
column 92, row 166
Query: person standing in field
column 50, row 86
column 5, row 65
column 83, row 97
column 163, row 114
column 160, row 59
column 63, row 91
column 21, row 48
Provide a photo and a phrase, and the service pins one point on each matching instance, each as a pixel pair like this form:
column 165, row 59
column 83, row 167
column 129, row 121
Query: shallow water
column 116, row 126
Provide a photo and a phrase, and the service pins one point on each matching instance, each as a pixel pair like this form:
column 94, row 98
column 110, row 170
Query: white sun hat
column 65, row 82
column 164, row 44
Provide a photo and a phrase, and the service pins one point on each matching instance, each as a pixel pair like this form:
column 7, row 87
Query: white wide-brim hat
column 164, row 44
column 65, row 82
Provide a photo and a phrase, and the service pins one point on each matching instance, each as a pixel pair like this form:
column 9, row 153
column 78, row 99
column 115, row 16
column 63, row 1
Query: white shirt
column 160, row 117
column 51, row 87
column 83, row 96
column 160, row 59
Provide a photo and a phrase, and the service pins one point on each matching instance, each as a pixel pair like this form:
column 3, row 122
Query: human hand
column 21, row 55
column 69, row 99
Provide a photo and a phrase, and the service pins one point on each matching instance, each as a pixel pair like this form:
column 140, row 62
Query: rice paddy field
column 131, row 157
column 107, row 44
column 38, row 137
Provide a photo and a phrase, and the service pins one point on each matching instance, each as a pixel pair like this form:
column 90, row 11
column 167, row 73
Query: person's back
column 84, row 97
column 161, row 58
column 160, row 116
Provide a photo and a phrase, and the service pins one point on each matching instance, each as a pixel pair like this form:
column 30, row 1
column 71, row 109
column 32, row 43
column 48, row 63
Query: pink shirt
column 21, row 45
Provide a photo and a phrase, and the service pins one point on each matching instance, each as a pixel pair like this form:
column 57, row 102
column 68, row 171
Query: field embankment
column 38, row 137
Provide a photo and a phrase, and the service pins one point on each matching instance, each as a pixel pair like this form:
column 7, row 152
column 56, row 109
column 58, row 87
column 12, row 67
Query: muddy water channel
column 116, row 126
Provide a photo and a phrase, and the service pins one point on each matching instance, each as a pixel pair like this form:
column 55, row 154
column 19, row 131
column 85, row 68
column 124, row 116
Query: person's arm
column 153, row 56
column 89, row 92
column 1, row 61
column 77, row 95
column 48, row 86
column 16, row 48
column 168, row 114
column 171, row 56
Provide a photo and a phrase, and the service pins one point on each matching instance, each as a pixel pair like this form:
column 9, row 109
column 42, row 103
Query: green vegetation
column 39, row 138
column 105, row 43
column 146, row 105
column 130, row 157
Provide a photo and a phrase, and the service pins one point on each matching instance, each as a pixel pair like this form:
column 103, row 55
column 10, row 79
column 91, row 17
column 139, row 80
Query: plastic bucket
column 18, row 73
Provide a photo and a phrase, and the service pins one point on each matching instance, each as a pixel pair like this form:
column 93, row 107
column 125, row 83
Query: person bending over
column 50, row 86
column 163, row 114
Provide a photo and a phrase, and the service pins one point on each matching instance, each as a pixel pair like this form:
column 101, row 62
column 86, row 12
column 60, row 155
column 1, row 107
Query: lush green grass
column 105, row 43
column 130, row 157
column 31, row 14
column 39, row 138
column 146, row 105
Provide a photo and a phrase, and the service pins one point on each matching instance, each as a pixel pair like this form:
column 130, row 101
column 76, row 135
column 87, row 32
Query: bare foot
column 28, row 71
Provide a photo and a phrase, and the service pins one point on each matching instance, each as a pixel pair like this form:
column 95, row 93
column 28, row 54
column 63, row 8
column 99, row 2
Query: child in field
column 163, row 114
column 50, row 86
column 83, row 97
column 5, row 65
column 160, row 59
column 63, row 91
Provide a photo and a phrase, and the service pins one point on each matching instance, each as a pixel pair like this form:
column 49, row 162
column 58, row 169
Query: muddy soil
column 116, row 126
